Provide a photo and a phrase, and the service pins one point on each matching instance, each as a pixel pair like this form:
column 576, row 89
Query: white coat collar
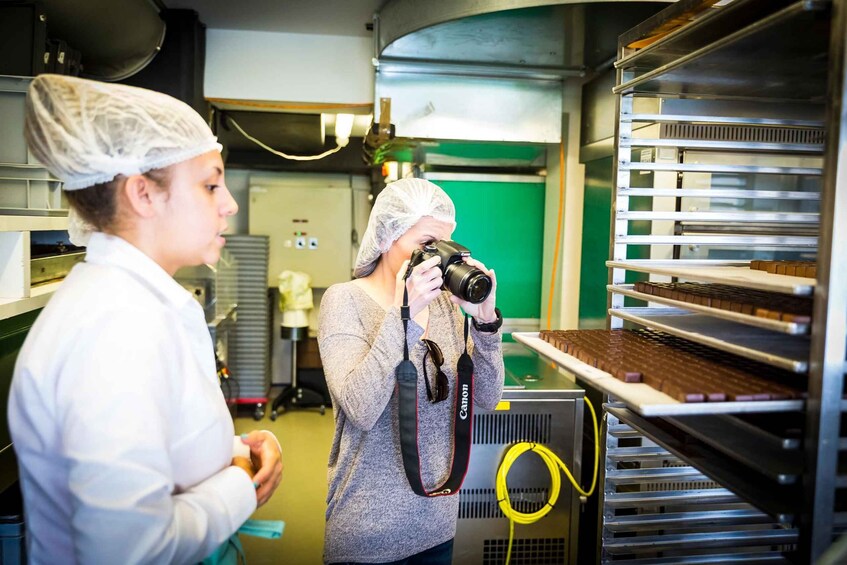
column 105, row 249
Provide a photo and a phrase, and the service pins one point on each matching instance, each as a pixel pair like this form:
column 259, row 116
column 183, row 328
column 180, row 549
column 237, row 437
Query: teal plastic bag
column 231, row 551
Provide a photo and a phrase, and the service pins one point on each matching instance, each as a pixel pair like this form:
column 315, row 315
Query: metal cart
column 732, row 129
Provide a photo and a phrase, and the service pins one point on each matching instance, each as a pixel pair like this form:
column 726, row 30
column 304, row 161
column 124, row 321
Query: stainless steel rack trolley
column 734, row 127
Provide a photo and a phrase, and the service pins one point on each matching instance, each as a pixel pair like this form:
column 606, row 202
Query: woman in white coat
column 124, row 442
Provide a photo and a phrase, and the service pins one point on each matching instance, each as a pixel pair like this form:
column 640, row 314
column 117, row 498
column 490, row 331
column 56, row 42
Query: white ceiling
column 324, row 17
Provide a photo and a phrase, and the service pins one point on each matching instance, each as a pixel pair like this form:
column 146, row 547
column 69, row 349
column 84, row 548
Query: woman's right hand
column 424, row 285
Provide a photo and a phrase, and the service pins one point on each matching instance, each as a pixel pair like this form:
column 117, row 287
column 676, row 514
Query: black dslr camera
column 464, row 281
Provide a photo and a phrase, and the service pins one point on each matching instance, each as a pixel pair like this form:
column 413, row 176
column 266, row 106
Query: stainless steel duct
column 400, row 18
column 492, row 70
column 117, row 38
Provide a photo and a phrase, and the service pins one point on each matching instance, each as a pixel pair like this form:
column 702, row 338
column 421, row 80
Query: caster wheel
column 258, row 414
column 273, row 416
column 323, row 410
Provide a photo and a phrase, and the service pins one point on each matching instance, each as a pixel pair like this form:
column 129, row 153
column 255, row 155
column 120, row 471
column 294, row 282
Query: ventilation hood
column 117, row 38
column 492, row 71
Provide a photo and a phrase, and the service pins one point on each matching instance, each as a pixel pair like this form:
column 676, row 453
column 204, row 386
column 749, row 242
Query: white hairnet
column 79, row 231
column 87, row 132
column 397, row 208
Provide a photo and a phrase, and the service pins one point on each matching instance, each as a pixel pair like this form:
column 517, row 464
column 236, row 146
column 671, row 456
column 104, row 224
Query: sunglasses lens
column 441, row 387
column 434, row 352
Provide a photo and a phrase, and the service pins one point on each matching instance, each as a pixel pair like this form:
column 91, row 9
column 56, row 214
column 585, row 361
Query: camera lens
column 478, row 287
column 466, row 282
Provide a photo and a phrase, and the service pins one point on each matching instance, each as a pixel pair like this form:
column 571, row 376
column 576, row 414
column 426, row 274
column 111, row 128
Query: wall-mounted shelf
column 38, row 298
column 17, row 295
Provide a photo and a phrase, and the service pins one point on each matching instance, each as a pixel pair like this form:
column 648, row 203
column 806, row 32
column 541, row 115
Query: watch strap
column 489, row 327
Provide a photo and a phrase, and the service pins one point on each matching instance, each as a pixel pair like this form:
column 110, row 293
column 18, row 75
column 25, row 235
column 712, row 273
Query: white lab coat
column 123, row 438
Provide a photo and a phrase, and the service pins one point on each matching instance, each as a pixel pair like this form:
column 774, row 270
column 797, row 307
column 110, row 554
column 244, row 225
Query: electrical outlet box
column 317, row 219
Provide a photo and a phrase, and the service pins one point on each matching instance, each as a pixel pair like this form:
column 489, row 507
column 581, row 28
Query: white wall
column 288, row 67
column 574, row 194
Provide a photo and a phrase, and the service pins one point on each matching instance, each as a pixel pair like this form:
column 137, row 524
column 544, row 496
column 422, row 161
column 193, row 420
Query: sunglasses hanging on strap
column 407, row 379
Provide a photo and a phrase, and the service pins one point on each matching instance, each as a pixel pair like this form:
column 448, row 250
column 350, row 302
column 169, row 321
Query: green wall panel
column 502, row 223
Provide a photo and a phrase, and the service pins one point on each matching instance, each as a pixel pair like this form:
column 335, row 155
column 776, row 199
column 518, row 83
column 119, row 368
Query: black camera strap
column 407, row 379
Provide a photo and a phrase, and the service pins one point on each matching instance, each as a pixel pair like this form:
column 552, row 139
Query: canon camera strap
column 407, row 379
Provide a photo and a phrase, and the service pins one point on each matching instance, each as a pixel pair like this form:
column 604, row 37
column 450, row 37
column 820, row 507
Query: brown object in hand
column 246, row 464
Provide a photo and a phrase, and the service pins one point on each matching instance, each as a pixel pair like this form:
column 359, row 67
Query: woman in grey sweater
column 373, row 516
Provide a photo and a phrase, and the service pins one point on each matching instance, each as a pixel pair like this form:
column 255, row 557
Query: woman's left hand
column 484, row 311
column 267, row 460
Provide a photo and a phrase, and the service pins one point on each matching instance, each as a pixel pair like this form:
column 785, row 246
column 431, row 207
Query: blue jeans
column 441, row 554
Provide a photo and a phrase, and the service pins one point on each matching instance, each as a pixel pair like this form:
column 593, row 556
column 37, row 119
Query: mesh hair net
column 87, row 132
column 398, row 208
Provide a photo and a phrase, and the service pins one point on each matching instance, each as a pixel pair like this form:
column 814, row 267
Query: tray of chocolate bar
column 735, row 275
column 777, row 350
column 657, row 374
column 777, row 312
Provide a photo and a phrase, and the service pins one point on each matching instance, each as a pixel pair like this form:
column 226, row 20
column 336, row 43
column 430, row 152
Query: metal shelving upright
column 752, row 90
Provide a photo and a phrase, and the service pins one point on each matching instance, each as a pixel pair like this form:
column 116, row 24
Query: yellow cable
column 554, row 463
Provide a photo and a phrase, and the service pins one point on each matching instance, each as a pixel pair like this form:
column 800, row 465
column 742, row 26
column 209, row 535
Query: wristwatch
column 489, row 327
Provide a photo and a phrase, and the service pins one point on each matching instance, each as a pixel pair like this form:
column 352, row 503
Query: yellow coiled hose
column 554, row 463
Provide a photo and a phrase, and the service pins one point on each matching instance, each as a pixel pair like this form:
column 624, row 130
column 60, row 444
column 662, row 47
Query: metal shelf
column 686, row 520
column 747, row 444
column 751, row 62
column 778, row 350
column 790, row 328
column 711, row 25
column 720, row 193
column 736, row 539
column 779, row 501
column 710, row 559
column 761, row 241
column 714, row 145
column 743, row 277
column 729, row 169
column 788, row 65
column 643, row 399
column 734, row 120
column 723, row 216
column 654, row 475
column 665, row 498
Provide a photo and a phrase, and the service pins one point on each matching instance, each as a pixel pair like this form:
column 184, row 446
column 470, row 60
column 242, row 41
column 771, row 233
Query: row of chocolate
column 771, row 305
column 794, row 268
column 683, row 370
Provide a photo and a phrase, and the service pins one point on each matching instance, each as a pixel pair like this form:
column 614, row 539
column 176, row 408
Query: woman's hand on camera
column 484, row 311
column 424, row 285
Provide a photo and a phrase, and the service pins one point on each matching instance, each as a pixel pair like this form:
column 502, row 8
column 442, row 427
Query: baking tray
column 778, row 350
column 790, row 328
column 641, row 398
column 743, row 277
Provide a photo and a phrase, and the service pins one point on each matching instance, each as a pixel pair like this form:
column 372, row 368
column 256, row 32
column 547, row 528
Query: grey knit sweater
column 372, row 514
